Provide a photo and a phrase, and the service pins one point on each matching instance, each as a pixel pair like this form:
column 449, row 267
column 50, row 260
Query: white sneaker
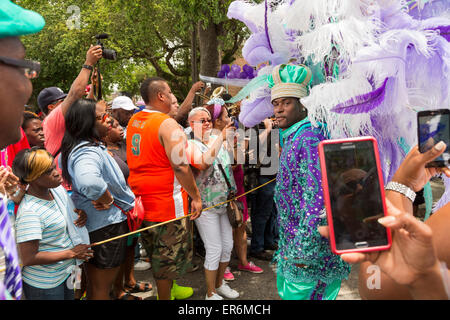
column 143, row 253
column 225, row 291
column 214, row 296
column 142, row 265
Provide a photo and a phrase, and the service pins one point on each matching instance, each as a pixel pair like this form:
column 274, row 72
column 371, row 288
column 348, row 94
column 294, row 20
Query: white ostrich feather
column 319, row 12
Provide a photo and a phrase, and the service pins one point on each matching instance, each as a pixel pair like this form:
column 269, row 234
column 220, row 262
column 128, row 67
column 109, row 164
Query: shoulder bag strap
column 225, row 176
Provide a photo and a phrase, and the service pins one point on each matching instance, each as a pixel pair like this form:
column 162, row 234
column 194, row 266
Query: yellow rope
column 166, row 222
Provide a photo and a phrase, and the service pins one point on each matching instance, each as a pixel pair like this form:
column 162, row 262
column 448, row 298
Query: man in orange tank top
column 161, row 175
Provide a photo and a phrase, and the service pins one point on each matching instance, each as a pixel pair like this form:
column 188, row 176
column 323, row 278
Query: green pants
column 307, row 290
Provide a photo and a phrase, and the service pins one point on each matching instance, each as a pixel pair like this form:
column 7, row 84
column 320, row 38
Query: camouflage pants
column 169, row 247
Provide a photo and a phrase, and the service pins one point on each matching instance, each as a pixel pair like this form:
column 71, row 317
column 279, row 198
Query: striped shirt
column 39, row 219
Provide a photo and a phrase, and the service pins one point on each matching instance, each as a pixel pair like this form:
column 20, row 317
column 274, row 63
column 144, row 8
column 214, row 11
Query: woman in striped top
column 49, row 235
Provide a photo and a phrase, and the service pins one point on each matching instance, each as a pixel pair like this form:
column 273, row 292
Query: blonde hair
column 197, row 110
column 39, row 162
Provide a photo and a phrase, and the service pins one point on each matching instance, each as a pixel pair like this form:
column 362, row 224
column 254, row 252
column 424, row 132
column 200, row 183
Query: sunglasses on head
column 30, row 68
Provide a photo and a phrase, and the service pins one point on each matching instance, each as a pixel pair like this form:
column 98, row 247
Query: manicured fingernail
column 386, row 220
column 440, row 146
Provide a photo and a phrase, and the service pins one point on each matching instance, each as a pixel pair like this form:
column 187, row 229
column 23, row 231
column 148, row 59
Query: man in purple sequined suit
column 306, row 267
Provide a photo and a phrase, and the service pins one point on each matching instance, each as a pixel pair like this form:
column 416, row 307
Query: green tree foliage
column 151, row 37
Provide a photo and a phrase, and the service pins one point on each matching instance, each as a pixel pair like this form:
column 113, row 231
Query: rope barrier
column 180, row 218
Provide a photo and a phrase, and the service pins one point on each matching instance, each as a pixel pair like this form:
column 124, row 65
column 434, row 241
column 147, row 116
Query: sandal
column 128, row 296
column 138, row 287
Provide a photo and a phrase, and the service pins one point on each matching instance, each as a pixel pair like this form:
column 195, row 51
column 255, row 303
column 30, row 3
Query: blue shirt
column 93, row 171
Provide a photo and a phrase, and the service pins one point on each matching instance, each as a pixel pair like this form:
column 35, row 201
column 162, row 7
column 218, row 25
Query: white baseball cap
column 123, row 102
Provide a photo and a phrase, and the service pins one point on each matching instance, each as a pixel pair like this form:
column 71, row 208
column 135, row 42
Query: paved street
column 250, row 286
column 263, row 286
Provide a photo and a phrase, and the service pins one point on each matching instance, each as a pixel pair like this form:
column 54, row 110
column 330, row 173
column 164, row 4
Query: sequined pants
column 307, row 290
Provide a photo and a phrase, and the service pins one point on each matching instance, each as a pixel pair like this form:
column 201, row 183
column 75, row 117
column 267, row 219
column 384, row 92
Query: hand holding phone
column 414, row 172
column 354, row 195
column 433, row 126
column 412, row 254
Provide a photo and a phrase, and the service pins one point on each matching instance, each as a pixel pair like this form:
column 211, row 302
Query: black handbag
column 235, row 208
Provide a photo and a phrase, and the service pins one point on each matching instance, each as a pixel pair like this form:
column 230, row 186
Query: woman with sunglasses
column 50, row 232
column 239, row 233
column 99, row 188
column 206, row 154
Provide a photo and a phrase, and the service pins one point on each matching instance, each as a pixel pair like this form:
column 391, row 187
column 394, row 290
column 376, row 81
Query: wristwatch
column 86, row 66
column 401, row 188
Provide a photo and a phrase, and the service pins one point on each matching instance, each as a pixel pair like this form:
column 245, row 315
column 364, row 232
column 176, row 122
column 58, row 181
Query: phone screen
column 432, row 129
column 355, row 196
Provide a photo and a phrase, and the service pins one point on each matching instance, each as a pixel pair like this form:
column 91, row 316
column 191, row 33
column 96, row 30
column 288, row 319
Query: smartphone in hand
column 434, row 126
column 354, row 197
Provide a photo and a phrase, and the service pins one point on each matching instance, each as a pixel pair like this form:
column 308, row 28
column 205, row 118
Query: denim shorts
column 60, row 292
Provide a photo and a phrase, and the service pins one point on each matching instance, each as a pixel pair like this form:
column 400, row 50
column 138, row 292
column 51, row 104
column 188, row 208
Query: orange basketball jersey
column 151, row 175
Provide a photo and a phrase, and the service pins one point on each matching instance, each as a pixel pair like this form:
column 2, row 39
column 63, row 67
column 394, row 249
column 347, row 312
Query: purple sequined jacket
column 299, row 200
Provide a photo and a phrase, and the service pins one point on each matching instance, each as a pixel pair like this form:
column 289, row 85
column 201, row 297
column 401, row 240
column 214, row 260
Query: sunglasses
column 30, row 69
column 202, row 121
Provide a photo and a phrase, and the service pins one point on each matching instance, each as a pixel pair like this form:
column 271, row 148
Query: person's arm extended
column 79, row 85
column 174, row 142
column 30, row 254
column 430, row 286
column 186, row 106
column 268, row 124
column 203, row 161
column 412, row 173
column 94, row 83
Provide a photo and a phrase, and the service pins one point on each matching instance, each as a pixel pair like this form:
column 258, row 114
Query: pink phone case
column 326, row 194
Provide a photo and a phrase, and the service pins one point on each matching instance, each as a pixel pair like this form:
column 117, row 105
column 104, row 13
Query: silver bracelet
column 401, row 188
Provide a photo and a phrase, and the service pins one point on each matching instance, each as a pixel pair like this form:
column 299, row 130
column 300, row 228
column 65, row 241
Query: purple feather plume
column 237, row 10
column 266, row 27
column 363, row 103
column 444, row 31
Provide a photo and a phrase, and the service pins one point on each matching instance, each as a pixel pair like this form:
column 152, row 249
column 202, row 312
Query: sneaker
column 214, row 296
column 143, row 253
column 181, row 293
column 225, row 291
column 194, row 268
column 228, row 275
column 250, row 267
column 142, row 265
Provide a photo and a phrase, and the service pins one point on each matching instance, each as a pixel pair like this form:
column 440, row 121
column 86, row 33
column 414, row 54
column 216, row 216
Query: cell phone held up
column 354, row 197
column 433, row 126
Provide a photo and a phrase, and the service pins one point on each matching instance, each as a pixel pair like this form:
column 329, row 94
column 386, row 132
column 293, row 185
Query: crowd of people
column 73, row 173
